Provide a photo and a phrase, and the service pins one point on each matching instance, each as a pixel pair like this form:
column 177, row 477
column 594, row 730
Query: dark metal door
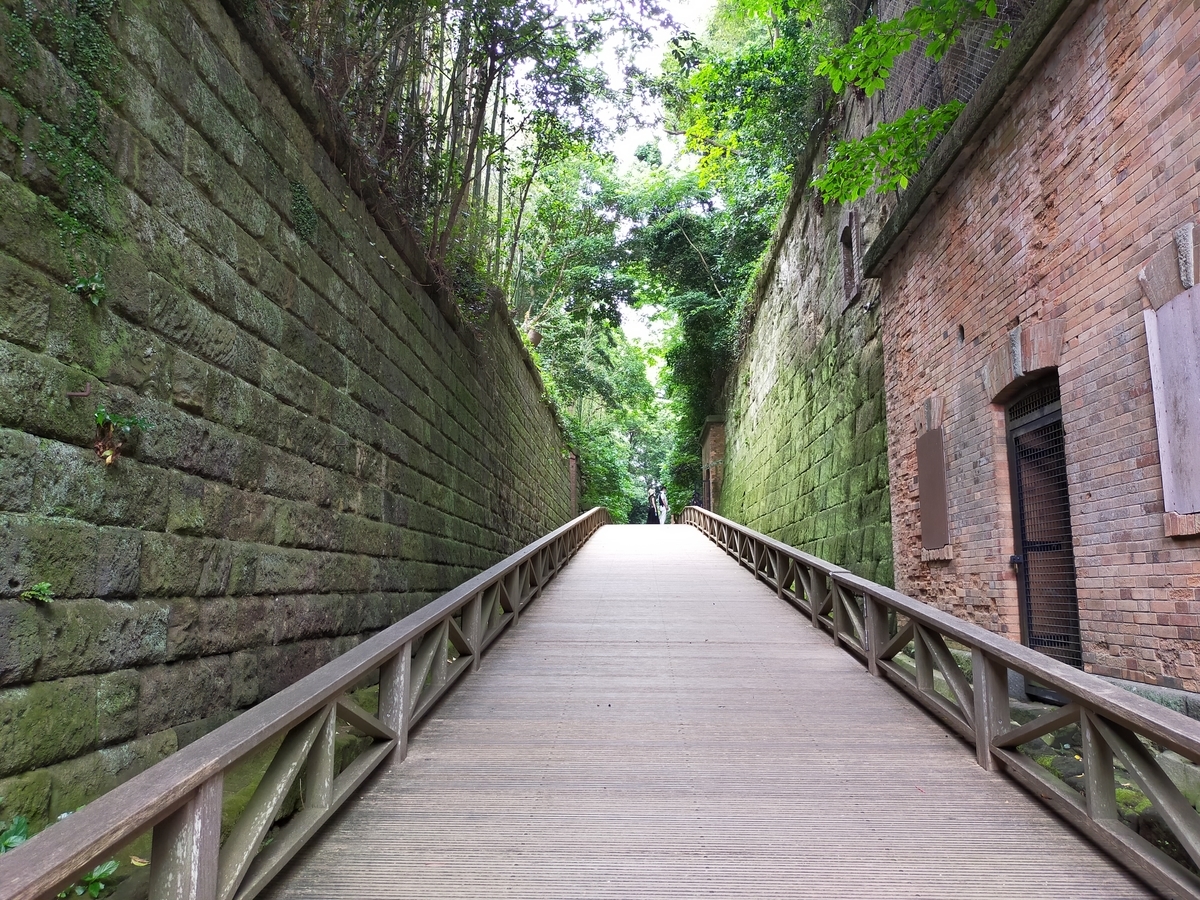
column 1045, row 554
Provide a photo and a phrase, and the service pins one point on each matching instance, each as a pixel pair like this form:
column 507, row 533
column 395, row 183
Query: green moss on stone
column 304, row 215
column 44, row 723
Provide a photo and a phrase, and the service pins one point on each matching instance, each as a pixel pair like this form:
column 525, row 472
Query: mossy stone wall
column 331, row 447
column 806, row 438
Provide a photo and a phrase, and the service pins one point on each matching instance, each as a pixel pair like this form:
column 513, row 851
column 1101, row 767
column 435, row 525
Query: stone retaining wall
column 806, row 440
column 330, row 448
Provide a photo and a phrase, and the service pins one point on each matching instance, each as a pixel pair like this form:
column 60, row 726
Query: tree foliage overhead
column 613, row 416
column 743, row 95
column 890, row 155
column 457, row 105
column 483, row 120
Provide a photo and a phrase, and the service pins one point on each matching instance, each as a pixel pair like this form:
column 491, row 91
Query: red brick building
column 1042, row 347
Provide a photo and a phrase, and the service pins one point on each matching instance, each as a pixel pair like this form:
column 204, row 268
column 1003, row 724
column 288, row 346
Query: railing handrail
column 857, row 613
column 1166, row 725
column 51, row 858
column 1157, row 720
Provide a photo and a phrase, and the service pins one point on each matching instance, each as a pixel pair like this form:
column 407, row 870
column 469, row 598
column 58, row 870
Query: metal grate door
column 1045, row 554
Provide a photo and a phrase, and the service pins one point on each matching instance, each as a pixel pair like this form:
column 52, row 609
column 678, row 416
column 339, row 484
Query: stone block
column 189, row 382
column 183, row 691
column 35, row 549
column 79, row 781
column 44, row 723
column 24, row 303
column 257, row 674
column 128, row 287
column 197, row 507
column 33, row 397
column 17, row 454
column 27, row 795
column 306, row 526
column 73, row 482
column 220, row 625
column 312, row 615
column 189, row 324
column 85, row 636
column 283, row 571
column 21, row 645
column 118, row 562
column 117, row 706
column 174, row 565
column 250, row 411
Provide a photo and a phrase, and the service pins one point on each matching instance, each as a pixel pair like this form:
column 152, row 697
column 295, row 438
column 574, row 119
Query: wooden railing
column 414, row 663
column 882, row 627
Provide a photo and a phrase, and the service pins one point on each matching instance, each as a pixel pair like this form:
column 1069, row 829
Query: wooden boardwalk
column 660, row 725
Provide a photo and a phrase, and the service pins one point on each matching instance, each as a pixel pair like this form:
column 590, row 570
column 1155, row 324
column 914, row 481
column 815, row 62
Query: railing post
column 394, row 678
column 186, row 847
column 990, row 685
column 441, row 666
column 839, row 614
column 924, row 661
column 877, row 631
column 512, row 588
column 1098, row 776
column 322, row 759
column 473, row 628
column 818, row 591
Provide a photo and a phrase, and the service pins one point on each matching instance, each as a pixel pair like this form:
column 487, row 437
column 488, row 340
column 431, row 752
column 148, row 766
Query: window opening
column 851, row 258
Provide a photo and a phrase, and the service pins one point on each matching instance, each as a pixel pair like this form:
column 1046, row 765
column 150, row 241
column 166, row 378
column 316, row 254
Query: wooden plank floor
column 660, row 725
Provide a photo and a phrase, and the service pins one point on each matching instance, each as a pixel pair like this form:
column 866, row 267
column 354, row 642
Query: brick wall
column 1047, row 227
column 805, row 458
column 330, row 448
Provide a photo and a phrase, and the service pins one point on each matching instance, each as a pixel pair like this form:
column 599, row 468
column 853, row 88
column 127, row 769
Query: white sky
column 689, row 15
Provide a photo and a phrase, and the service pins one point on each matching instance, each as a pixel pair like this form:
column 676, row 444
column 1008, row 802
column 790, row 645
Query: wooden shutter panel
column 931, row 480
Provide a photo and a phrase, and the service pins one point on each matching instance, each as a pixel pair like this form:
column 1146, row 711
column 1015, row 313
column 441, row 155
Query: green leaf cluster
column 14, row 833
column 744, row 97
column 866, row 60
column 41, row 592
column 885, row 159
column 889, row 156
column 117, row 423
column 94, row 883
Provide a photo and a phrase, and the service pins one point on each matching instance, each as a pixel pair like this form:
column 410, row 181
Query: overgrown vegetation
column 485, row 121
column 886, row 158
column 92, row 884
column 458, row 106
column 14, row 833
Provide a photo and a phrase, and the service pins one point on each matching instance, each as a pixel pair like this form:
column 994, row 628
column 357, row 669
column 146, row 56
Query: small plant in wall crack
column 114, row 431
column 39, row 593
column 90, row 289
